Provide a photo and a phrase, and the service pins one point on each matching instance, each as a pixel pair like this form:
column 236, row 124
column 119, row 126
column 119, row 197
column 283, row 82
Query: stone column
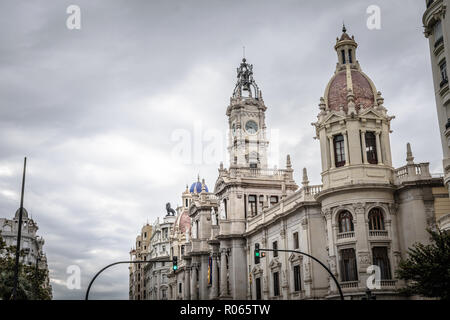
column 194, row 295
column 379, row 156
column 215, row 277
column 223, row 273
column 346, row 149
column 203, row 281
column 187, row 283
column 330, row 138
column 364, row 152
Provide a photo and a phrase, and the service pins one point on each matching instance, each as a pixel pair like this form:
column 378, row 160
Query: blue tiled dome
column 197, row 186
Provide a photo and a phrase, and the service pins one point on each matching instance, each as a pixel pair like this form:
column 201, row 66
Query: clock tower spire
column 247, row 145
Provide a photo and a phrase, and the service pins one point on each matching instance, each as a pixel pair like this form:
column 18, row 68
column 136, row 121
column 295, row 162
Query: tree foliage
column 427, row 267
column 31, row 285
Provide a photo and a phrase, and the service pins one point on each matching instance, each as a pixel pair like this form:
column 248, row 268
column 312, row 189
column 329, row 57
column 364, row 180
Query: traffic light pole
column 315, row 259
column 113, row 264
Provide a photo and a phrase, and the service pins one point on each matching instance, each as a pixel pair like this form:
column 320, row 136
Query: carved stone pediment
column 370, row 113
column 274, row 263
column 257, row 270
column 295, row 257
column 333, row 117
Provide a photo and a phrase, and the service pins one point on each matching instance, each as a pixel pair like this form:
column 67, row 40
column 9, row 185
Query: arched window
column 376, row 221
column 339, row 150
column 345, row 222
column 371, row 148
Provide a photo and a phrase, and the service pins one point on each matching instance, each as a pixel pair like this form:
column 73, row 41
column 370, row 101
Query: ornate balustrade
column 411, row 172
column 378, row 233
column 349, row 284
column 345, row 235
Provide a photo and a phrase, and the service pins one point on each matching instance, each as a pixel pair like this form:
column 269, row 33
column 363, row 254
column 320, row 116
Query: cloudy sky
column 117, row 117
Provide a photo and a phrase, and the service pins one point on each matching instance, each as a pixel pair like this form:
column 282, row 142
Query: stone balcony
column 277, row 174
column 378, row 234
column 412, row 172
column 345, row 236
column 305, row 194
column 356, row 286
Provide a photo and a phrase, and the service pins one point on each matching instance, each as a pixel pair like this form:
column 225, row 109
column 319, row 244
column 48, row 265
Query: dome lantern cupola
column 346, row 50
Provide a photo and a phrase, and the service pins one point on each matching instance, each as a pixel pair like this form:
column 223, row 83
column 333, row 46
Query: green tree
column 31, row 281
column 427, row 267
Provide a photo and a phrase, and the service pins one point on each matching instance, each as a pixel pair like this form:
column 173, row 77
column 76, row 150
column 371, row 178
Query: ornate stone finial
column 322, row 104
column 221, row 165
column 305, row 180
column 344, row 30
column 288, row 162
column 203, row 185
column 198, row 177
column 409, row 155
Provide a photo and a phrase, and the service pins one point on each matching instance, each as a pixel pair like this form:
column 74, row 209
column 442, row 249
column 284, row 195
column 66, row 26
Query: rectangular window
column 343, row 56
column 225, row 207
column 438, row 38
column 350, row 60
column 297, row 285
column 245, row 206
column 179, row 287
column 339, row 150
column 273, row 200
column 348, row 265
column 252, row 204
column 443, row 71
column 182, row 250
column 275, row 247
column 381, row 259
column 371, row 147
column 296, row 242
column 276, row 284
column 258, row 288
column 261, row 202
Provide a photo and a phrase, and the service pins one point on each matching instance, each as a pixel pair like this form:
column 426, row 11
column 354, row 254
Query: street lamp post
column 315, row 259
column 113, row 264
column 19, row 235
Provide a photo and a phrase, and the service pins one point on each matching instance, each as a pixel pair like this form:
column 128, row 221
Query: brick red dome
column 362, row 89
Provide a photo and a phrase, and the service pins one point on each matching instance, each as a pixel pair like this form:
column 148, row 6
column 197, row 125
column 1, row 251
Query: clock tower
column 247, row 145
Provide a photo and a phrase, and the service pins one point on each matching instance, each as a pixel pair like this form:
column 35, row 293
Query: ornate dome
column 24, row 213
column 349, row 85
column 339, row 86
column 197, row 187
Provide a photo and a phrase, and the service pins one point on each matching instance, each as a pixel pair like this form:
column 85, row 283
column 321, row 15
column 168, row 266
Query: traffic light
column 175, row 263
column 257, row 253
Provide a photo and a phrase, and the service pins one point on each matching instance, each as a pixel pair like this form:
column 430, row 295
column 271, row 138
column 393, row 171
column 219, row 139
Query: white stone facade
column 31, row 243
column 364, row 214
column 437, row 29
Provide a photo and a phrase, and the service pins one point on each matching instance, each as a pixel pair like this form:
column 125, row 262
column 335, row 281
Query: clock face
column 251, row 127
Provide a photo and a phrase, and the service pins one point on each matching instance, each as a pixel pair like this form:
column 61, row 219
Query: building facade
column 137, row 283
column 361, row 219
column 437, row 29
column 31, row 243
